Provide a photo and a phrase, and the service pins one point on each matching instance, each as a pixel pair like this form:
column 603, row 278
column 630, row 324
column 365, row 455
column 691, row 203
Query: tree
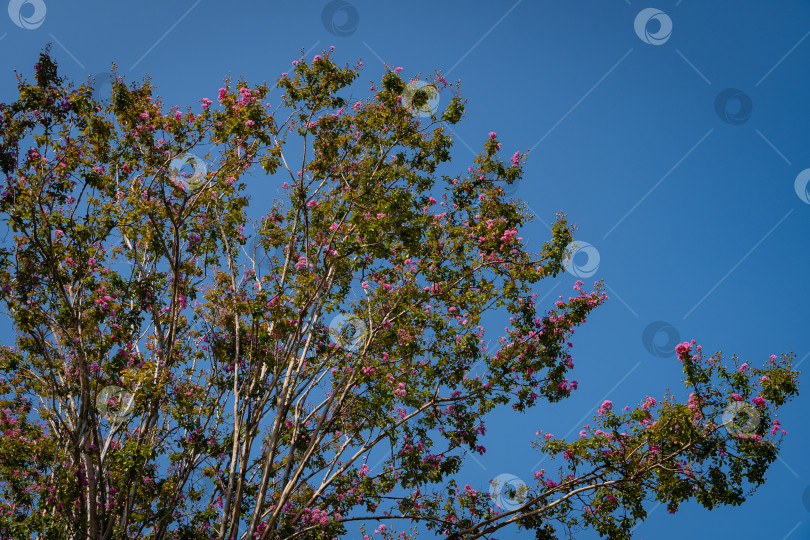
column 239, row 381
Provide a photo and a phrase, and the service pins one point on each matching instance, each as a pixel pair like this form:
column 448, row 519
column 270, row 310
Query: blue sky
column 686, row 190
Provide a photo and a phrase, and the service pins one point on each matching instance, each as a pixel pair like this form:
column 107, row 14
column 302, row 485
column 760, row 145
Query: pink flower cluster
column 683, row 349
column 606, row 406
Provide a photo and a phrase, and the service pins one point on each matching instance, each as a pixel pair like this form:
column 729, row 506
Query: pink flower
column 492, row 134
column 759, row 401
column 683, row 348
column 742, row 367
column 398, row 69
column 317, row 57
column 736, row 397
column 606, row 406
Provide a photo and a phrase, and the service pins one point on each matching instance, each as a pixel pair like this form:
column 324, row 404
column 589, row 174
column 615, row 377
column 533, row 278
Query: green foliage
column 236, row 380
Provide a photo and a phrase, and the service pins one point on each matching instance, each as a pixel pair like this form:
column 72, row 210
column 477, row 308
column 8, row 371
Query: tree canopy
column 144, row 333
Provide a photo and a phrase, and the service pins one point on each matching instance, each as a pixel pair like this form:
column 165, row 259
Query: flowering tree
column 125, row 287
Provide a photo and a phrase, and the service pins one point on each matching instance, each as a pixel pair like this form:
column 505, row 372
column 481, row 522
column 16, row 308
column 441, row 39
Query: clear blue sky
column 687, row 191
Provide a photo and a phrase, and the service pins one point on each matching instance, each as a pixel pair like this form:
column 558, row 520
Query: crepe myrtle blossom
column 606, row 407
column 683, row 349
